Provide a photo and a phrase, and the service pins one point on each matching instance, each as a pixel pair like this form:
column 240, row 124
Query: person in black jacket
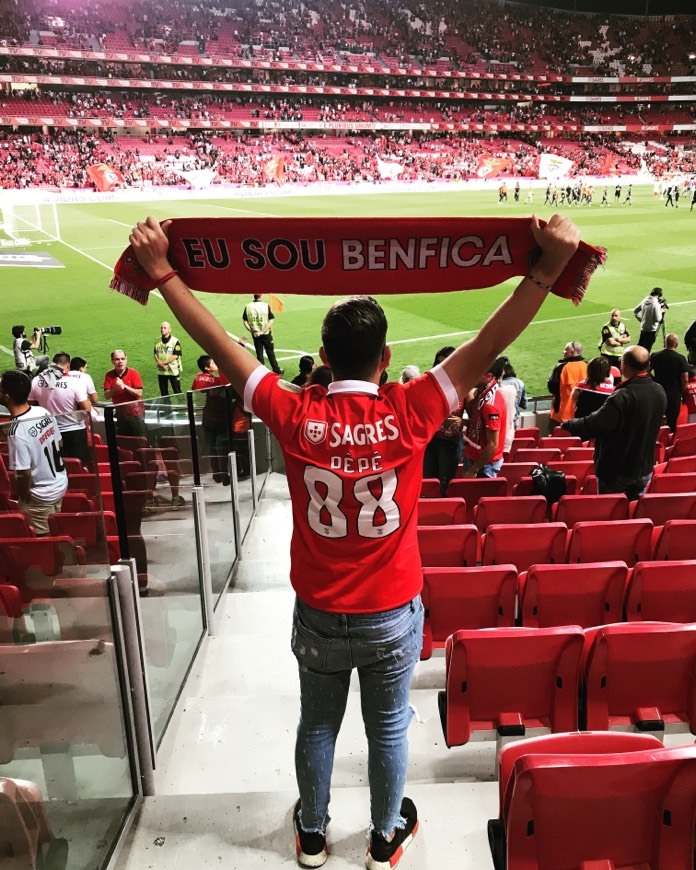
column 625, row 428
column 690, row 337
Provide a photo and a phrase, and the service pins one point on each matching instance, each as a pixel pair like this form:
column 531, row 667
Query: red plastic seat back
column 459, row 598
column 626, row 540
column 571, row 509
column 524, row 544
column 511, row 676
column 676, row 541
column 448, row 546
column 640, row 672
column 525, row 509
column 514, row 472
column 579, row 470
column 628, row 809
column 527, row 432
column 441, row 511
column 472, row 490
column 681, row 465
column 668, row 482
column 580, row 594
column 561, row 442
column 662, row 592
column 14, row 524
column 660, row 507
column 538, row 454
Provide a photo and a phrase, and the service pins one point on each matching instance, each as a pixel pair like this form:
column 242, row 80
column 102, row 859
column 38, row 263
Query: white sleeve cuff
column 446, row 386
column 252, row 383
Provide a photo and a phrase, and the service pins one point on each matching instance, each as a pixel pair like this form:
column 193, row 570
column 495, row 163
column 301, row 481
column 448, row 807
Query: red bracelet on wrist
column 165, row 278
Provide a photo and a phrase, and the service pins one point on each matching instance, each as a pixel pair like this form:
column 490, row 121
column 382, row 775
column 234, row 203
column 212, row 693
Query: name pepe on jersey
column 357, row 435
column 416, row 253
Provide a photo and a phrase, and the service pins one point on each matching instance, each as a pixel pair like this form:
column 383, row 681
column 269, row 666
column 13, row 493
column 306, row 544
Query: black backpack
column 548, row 482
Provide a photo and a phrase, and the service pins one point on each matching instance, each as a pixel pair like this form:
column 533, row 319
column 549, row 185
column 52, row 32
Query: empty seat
column 31, row 564
column 526, row 486
column 684, row 430
column 663, row 506
column 524, row 544
column 73, row 465
column 626, row 540
column 154, row 454
column 681, row 465
column 441, row 511
column 88, row 483
column 561, row 442
column 527, row 432
column 475, row 488
column 685, row 446
column 662, row 592
column 667, row 482
column 580, row 594
column 514, row 472
column 74, row 502
column 602, row 811
column 675, row 541
column 430, row 488
column 448, row 546
column 505, row 680
column 464, row 598
column 538, row 454
column 14, row 524
column 579, row 470
column 132, row 442
column 520, row 444
column 526, row 509
column 97, row 536
column 571, row 509
column 641, row 675
column 579, row 454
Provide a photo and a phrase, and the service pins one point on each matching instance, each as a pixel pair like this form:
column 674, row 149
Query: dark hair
column 443, row 353
column 597, row 371
column 17, row 331
column 76, row 363
column 61, row 358
column 497, row 367
column 656, row 291
column 306, row 364
column 509, row 370
column 321, row 375
column 203, row 361
column 354, row 333
column 17, row 385
column 384, row 377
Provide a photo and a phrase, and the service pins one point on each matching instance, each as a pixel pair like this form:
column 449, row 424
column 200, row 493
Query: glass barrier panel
column 212, row 428
column 65, row 768
column 156, row 476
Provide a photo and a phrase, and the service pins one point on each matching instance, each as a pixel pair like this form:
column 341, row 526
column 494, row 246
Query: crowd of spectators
column 412, row 33
column 61, row 158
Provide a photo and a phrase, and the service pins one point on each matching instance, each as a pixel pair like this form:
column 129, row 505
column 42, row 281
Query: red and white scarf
column 485, row 395
column 342, row 256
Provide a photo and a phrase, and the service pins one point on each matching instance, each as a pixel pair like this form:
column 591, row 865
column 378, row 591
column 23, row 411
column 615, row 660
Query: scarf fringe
column 128, row 288
column 592, row 260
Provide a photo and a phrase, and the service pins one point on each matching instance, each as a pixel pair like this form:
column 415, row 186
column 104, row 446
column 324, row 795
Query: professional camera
column 49, row 330
column 663, row 303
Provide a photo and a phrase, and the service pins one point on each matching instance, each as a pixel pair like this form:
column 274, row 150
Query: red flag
column 105, row 177
column 275, row 170
column 489, row 167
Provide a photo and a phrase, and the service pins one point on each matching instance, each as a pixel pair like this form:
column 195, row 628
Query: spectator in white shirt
column 78, row 370
column 64, row 397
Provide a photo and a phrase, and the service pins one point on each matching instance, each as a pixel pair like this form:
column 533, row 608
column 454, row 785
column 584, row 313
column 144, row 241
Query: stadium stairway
column 225, row 781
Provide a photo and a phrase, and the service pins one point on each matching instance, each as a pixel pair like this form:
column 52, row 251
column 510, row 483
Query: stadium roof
column 623, row 7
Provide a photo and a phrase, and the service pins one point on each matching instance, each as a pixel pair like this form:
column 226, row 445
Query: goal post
column 28, row 223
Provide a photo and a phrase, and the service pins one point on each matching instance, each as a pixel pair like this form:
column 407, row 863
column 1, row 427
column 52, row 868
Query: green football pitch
column 649, row 245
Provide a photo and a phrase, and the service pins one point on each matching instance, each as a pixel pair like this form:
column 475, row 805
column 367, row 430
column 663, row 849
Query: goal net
column 28, row 223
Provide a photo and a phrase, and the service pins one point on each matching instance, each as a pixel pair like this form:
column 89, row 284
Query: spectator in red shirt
column 484, row 438
column 124, row 386
column 690, row 395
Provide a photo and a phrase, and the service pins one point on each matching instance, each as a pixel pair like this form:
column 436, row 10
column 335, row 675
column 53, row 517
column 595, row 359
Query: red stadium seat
column 430, row 488
column 526, row 509
column 73, row 465
column 145, row 456
column 675, row 541
column 571, row 509
column 684, row 430
column 641, row 675
column 505, row 680
column 579, row 470
column 520, row 444
column 475, row 488
column 31, row 564
column 660, row 507
column 589, row 487
column 26, row 839
column 681, row 465
column 87, row 483
column 685, row 446
column 538, row 454
column 15, row 525
column 583, row 594
column 98, row 537
column 525, row 486
column 626, row 540
column 448, row 546
column 524, row 544
column 441, row 511
column 662, row 592
column 579, row 454
column 180, row 443
column 667, row 482
column 76, row 502
column 464, row 598
column 602, row 811
column 527, row 432
column 514, row 472
column 132, row 442
column 561, row 442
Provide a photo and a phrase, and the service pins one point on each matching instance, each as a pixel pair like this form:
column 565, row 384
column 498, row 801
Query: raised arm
column 558, row 241
column 150, row 243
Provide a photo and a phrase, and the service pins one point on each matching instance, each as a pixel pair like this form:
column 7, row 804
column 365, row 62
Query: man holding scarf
column 484, row 438
column 354, row 459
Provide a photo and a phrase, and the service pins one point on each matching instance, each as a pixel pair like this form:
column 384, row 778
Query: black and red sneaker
column 383, row 854
column 310, row 847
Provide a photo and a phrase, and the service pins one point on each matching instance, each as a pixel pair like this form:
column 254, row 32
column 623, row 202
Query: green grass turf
column 648, row 245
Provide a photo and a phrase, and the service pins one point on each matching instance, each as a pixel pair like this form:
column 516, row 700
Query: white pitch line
column 243, row 210
column 120, row 223
column 6, row 350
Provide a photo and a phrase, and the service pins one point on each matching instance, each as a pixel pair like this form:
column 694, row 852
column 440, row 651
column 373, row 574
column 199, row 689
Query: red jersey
column 690, row 397
column 203, row 380
column 354, row 462
column 493, row 418
column 131, row 378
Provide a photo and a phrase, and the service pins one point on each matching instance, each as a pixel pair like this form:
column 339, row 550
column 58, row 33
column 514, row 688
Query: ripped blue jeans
column 384, row 647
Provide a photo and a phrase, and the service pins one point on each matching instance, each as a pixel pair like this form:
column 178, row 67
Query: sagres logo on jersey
column 315, row 430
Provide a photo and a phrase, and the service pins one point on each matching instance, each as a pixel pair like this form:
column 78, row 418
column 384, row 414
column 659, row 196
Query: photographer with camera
column 650, row 312
column 25, row 360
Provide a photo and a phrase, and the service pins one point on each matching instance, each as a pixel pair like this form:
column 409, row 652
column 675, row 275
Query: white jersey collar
column 353, row 387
